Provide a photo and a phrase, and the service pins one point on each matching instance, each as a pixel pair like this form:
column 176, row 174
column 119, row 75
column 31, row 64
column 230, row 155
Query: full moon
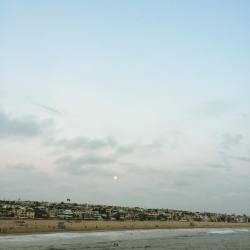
column 115, row 178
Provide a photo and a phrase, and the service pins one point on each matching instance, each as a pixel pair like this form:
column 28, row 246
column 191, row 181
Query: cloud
column 84, row 165
column 83, row 142
column 86, row 160
column 195, row 172
column 216, row 108
column 231, row 140
column 243, row 158
column 25, row 126
column 21, row 167
column 143, row 169
column 156, row 144
column 217, row 166
column 108, row 143
column 227, row 158
column 124, row 150
column 196, row 175
column 23, row 180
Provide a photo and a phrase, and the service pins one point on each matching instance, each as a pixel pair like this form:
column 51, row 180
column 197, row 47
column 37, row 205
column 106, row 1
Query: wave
column 228, row 231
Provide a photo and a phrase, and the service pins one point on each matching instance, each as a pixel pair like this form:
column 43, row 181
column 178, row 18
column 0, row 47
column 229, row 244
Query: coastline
column 8, row 227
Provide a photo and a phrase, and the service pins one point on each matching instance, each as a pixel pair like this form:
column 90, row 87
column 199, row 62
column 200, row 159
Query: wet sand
column 46, row 226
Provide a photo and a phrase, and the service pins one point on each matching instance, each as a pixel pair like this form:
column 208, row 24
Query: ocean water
column 137, row 239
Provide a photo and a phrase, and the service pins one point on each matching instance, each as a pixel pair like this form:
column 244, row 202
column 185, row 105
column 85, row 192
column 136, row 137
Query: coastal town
column 23, row 210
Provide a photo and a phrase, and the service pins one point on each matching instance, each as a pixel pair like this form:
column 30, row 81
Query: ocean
column 137, row 239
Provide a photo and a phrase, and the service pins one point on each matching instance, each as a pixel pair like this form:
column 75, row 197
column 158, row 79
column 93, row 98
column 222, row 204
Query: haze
column 138, row 103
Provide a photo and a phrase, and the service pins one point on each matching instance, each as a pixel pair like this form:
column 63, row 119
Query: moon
column 115, row 178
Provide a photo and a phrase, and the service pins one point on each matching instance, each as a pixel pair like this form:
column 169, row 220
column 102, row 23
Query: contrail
column 47, row 108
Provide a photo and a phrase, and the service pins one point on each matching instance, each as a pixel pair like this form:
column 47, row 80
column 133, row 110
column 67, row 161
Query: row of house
column 62, row 210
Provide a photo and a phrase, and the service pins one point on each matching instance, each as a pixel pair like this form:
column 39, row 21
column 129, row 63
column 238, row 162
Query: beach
column 49, row 226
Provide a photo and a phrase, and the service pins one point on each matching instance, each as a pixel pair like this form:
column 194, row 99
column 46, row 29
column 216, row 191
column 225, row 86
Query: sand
column 46, row 226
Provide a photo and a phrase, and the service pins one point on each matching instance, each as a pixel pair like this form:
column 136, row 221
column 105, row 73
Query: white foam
column 242, row 230
column 227, row 231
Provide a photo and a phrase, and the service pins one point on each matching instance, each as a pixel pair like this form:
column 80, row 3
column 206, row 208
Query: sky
column 134, row 103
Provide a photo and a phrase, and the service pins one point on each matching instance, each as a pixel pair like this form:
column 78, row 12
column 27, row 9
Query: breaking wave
column 228, row 231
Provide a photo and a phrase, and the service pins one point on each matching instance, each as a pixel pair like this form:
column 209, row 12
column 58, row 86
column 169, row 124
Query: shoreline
column 24, row 227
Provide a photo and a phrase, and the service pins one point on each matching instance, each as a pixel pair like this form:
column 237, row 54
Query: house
column 30, row 214
column 66, row 214
column 20, row 213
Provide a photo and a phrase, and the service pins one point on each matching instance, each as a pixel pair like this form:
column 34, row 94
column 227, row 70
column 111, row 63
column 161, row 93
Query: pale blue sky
column 145, row 90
